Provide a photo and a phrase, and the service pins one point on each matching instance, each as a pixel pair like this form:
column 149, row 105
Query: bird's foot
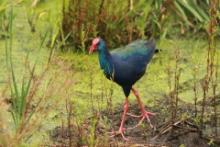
column 145, row 115
column 133, row 115
column 119, row 132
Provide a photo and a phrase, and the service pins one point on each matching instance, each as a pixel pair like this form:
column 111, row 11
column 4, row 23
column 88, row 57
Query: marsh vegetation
column 52, row 93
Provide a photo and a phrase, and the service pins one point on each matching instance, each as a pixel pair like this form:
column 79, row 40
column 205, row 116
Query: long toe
column 133, row 115
column 148, row 113
column 145, row 115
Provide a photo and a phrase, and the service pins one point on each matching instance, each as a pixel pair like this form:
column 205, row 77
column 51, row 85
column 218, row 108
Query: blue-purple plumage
column 126, row 65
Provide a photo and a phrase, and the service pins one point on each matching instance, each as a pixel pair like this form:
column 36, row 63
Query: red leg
column 122, row 129
column 144, row 114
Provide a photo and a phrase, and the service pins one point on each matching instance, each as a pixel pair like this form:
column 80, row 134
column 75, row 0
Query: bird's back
column 136, row 48
column 130, row 61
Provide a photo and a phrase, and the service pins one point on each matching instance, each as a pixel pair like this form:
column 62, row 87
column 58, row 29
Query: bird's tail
column 151, row 43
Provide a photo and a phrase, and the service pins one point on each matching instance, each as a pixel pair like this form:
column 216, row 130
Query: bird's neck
column 105, row 61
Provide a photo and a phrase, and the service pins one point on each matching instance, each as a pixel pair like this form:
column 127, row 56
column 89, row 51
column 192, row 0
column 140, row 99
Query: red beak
column 92, row 49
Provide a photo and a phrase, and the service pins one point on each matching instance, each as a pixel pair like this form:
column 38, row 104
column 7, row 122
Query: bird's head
column 97, row 44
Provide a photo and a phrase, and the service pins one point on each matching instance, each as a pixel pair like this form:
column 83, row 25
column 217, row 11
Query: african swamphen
column 126, row 66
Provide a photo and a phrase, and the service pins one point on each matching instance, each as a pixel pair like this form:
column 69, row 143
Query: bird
column 125, row 66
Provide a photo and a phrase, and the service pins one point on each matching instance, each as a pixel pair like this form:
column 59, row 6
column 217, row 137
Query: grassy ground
column 77, row 78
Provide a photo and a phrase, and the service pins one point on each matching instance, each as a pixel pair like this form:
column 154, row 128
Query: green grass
column 91, row 89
